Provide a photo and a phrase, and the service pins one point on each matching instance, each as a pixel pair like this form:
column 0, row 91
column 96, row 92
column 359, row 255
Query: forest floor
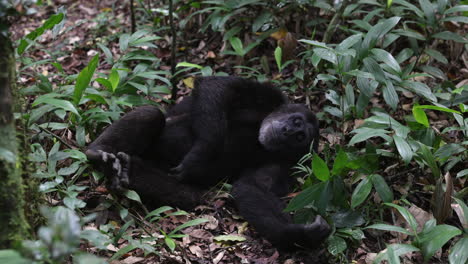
column 88, row 20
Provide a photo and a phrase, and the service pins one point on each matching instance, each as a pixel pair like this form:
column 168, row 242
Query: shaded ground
column 91, row 22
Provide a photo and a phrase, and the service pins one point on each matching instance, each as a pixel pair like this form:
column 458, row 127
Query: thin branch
column 132, row 15
column 334, row 22
column 57, row 137
column 173, row 52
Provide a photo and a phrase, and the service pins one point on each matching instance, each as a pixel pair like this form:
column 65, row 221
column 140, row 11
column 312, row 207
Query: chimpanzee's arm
column 256, row 197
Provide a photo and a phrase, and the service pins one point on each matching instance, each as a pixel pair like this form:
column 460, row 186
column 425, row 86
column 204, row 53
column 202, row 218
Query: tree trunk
column 13, row 226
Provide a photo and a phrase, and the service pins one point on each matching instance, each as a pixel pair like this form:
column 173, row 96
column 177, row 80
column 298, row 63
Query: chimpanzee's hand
column 116, row 168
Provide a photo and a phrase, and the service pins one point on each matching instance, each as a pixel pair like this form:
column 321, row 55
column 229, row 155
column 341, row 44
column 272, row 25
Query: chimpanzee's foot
column 317, row 231
column 115, row 167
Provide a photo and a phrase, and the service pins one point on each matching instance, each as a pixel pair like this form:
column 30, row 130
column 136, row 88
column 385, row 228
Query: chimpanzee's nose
column 286, row 130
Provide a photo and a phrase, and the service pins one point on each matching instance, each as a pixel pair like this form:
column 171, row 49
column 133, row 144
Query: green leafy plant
column 431, row 238
column 155, row 215
column 57, row 241
column 329, row 195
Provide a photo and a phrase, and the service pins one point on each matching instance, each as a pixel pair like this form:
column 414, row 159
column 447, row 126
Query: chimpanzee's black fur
column 230, row 127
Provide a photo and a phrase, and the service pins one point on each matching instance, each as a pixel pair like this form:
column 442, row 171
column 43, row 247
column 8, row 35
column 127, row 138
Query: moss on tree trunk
column 12, row 221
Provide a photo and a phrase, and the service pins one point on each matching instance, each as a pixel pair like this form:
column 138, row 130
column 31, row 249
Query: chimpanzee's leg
column 259, row 204
column 157, row 188
column 132, row 135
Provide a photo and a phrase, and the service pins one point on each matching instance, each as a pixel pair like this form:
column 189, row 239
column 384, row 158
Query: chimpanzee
column 229, row 127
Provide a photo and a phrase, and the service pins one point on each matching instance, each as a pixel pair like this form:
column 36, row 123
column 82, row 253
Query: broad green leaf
column 434, row 71
column 122, row 252
column 398, row 250
column 410, row 6
column 390, row 95
column 365, row 133
column 386, row 119
column 236, row 44
column 96, row 238
column 410, row 34
column 189, row 65
column 7, row 155
column 122, row 230
column 462, row 173
column 48, row 24
column 326, row 54
column 104, row 83
column 84, row 77
column 407, row 215
column 349, row 95
column 114, row 79
column 326, row 195
column 374, row 68
column 436, row 238
column 378, row 31
column 441, row 6
column 436, row 55
column 315, row 43
column 63, row 104
column 438, row 108
column 231, row 32
column 457, row 8
column 80, row 136
column 158, row 211
column 170, row 243
column 382, row 188
column 458, row 253
column 132, row 195
column 392, row 256
column 429, row 159
column 459, row 19
column 449, row 150
column 463, row 213
column 361, row 192
column 390, row 228
column 12, row 257
column 404, row 148
column 421, row 89
column 336, row 245
column 349, row 218
column 154, row 75
column 349, row 42
column 366, row 86
column 261, row 20
column 362, row 24
column 325, row 77
column 340, row 162
column 123, row 42
column 146, row 41
column 447, row 35
column 230, row 238
column 429, row 10
column 320, row 168
column 306, row 197
column 138, row 34
column 188, row 224
column 278, row 54
column 387, row 58
column 107, row 53
column 360, row 74
column 420, row 116
column 140, row 87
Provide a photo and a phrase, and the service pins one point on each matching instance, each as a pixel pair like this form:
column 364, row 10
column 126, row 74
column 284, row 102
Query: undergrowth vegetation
column 385, row 79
